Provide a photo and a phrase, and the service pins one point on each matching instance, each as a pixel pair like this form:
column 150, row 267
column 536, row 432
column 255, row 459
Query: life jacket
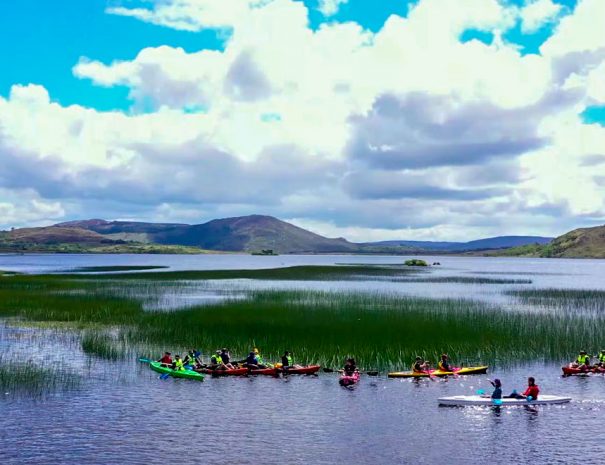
column 259, row 359
column 601, row 357
column 178, row 365
column 218, row 359
column 442, row 367
column 416, row 370
column 290, row 360
column 583, row 359
column 191, row 360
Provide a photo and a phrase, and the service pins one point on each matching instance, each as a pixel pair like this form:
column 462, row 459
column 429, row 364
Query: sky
column 389, row 119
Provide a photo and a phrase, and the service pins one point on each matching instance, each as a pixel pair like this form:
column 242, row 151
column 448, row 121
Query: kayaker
column 497, row 394
column 166, row 359
column 251, row 362
column 287, row 361
column 350, row 367
column 532, row 391
column 583, row 360
column 444, row 364
column 260, row 361
column 192, row 358
column 226, row 358
column 216, row 362
column 420, row 366
column 602, row 358
column 178, row 363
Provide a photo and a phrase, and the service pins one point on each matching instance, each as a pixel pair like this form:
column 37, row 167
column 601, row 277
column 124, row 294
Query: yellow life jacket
column 583, row 359
column 178, row 364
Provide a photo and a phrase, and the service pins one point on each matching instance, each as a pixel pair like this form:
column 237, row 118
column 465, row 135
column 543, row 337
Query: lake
column 124, row 413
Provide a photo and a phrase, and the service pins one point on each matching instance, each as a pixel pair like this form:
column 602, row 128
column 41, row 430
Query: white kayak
column 480, row 400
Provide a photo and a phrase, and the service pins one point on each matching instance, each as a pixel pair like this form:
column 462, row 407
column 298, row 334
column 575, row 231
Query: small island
column 415, row 262
column 265, row 252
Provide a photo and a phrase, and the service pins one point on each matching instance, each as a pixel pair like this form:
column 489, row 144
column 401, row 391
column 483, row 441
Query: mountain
column 252, row 233
column 245, row 233
column 499, row 242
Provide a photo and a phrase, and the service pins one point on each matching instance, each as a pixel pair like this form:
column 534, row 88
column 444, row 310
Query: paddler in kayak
column 260, row 361
column 178, row 364
column 216, row 362
column 444, row 364
column 420, row 366
column 602, row 358
column 583, row 361
column 350, row 367
column 226, row 358
column 192, row 358
column 497, row 393
column 287, row 361
column 251, row 361
column 166, row 359
column 532, row 391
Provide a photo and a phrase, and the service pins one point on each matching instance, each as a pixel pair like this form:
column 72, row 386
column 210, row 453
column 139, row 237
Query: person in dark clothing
column 251, row 361
column 226, row 358
column 497, row 394
column 350, row 367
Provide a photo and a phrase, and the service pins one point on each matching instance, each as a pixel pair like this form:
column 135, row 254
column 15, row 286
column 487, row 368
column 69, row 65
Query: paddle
column 145, row 360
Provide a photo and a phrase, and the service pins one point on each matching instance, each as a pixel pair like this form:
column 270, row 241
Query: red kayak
column 233, row 372
column 568, row 371
column 264, row 371
column 308, row 370
column 349, row 380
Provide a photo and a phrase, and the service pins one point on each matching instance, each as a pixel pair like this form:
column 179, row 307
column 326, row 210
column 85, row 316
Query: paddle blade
column 164, row 376
column 144, row 360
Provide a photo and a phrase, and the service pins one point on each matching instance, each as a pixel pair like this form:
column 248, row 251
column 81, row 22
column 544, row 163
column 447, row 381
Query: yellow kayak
column 462, row 371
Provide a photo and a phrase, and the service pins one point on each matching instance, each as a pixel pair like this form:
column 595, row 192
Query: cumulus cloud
column 330, row 7
column 406, row 131
column 538, row 13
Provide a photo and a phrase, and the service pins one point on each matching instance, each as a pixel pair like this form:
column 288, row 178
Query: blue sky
column 469, row 119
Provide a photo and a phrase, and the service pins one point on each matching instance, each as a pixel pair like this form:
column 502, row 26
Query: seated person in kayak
column 350, row 367
column 420, row 366
column 251, row 362
column 216, row 362
column 226, row 358
column 178, row 363
column 260, row 361
column 497, row 393
column 583, row 361
column 192, row 358
column 287, row 361
column 444, row 364
column 532, row 391
column 602, row 358
column 166, row 359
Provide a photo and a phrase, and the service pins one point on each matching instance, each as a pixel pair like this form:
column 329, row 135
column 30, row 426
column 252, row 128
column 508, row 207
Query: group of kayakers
column 221, row 360
column 423, row 366
column 584, row 361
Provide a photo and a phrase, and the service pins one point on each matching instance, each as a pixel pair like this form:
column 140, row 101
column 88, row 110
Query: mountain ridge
column 250, row 233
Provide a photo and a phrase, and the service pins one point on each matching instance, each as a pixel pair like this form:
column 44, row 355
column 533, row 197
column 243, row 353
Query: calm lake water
column 124, row 414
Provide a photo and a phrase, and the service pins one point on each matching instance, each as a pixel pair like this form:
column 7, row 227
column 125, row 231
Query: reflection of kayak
column 349, row 380
column 264, row 371
column 188, row 374
column 233, row 372
column 478, row 400
column 462, row 371
column 308, row 370
column 568, row 371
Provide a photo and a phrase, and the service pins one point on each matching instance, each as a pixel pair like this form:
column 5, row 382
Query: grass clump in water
column 103, row 345
column 30, row 379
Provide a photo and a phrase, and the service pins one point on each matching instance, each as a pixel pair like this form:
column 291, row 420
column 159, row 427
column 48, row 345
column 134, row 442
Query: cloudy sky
column 382, row 119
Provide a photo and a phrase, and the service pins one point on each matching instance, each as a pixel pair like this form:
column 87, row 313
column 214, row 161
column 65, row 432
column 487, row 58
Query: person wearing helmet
column 420, row 366
column 260, row 362
column 583, row 360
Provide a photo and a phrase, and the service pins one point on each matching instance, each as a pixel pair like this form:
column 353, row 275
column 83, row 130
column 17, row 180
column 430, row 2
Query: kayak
column 308, row 370
column 233, row 372
column 188, row 374
column 349, row 380
column 461, row 401
column 568, row 371
column 460, row 371
column 264, row 371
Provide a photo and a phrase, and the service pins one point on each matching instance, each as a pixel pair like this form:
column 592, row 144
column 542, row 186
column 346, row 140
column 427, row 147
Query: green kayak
column 188, row 374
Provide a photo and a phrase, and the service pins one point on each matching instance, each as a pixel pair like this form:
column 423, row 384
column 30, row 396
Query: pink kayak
column 346, row 380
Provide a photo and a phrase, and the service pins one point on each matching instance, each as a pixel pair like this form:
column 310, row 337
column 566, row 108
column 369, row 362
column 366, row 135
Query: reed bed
column 382, row 331
column 33, row 380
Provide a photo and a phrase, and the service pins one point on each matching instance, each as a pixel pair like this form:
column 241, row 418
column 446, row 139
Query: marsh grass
column 586, row 301
column 382, row 331
column 467, row 280
column 33, row 380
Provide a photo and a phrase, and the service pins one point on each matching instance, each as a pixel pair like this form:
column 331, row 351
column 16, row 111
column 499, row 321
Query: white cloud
column 330, row 7
column 538, row 13
column 405, row 130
